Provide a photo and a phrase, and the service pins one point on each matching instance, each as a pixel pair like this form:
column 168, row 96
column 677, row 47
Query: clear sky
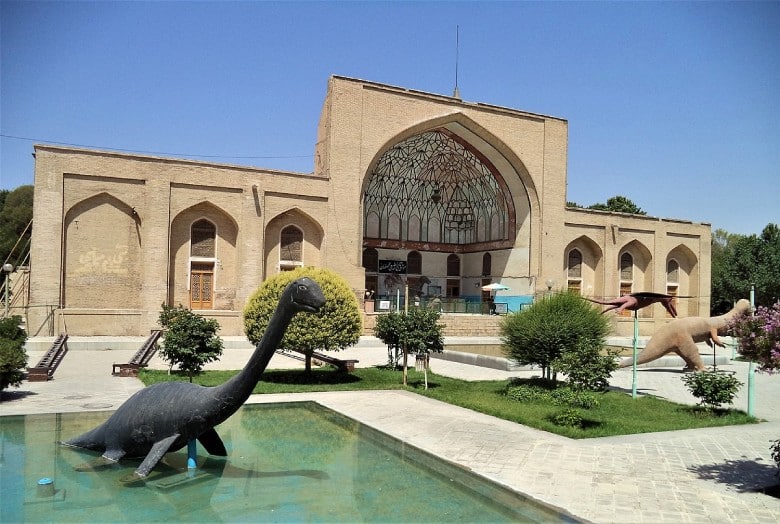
column 675, row 105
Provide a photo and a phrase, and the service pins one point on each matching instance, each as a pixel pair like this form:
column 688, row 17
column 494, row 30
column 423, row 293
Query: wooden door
column 202, row 286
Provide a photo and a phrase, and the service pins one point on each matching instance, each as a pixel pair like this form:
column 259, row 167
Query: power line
column 141, row 151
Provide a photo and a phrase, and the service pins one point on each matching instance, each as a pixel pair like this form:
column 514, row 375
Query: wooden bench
column 340, row 364
column 140, row 359
column 48, row 364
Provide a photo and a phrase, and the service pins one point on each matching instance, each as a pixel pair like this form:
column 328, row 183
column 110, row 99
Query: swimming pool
column 290, row 462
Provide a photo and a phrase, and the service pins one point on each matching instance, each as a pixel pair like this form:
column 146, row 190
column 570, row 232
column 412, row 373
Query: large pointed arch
column 513, row 185
column 101, row 254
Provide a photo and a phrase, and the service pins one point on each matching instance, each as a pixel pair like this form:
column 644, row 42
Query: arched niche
column 687, row 279
column 217, row 272
column 102, row 254
column 313, row 235
column 590, row 281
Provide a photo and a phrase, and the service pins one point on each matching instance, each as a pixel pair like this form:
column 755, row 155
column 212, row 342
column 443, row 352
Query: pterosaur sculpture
column 637, row 301
column 681, row 335
column 164, row 417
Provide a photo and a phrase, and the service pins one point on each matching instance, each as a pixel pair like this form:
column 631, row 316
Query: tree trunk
column 308, row 363
column 406, row 356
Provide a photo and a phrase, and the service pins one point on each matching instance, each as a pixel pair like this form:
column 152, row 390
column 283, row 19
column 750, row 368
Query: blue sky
column 675, row 105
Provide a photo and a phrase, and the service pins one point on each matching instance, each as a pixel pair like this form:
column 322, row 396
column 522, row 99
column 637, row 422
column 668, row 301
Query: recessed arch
column 311, row 240
column 687, row 279
column 436, row 235
column 204, row 279
column 102, row 254
column 591, row 270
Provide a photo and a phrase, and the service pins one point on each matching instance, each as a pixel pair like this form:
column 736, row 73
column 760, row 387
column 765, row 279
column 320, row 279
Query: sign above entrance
column 392, row 266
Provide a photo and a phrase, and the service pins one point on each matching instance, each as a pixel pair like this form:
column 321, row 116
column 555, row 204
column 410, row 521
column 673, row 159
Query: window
column 203, row 236
column 371, row 260
column 453, row 266
column 203, row 241
column 487, row 265
column 290, row 248
column 414, row 263
column 574, row 271
column 672, row 281
column 626, row 278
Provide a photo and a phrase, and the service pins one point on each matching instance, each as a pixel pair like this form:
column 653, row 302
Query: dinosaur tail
column 93, row 440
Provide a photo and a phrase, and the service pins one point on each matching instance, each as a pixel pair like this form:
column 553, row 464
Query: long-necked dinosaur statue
column 681, row 335
column 165, row 416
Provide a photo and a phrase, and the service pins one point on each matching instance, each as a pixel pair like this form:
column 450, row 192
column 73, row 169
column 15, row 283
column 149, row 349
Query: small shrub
column 526, row 393
column 189, row 340
column 13, row 357
column 574, row 398
column 567, row 417
column 713, row 388
column 775, row 449
column 586, row 367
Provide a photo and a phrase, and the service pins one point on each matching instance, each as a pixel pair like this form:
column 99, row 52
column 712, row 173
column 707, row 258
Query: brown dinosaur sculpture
column 681, row 335
column 636, row 301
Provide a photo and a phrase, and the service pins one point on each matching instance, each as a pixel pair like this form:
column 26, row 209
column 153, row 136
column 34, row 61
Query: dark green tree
column 619, row 204
column 189, row 340
column 13, row 357
column 739, row 261
column 541, row 333
column 336, row 326
column 16, row 208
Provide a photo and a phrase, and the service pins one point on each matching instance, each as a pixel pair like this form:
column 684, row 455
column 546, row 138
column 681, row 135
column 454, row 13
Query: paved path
column 704, row 475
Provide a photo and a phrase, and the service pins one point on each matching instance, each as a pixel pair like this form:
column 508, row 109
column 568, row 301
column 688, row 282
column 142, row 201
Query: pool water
column 291, row 462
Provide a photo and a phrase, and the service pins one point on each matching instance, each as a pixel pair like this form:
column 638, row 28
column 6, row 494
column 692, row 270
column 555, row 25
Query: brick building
column 410, row 191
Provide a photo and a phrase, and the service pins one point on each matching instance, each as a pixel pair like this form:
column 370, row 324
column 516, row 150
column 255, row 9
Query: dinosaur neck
column 233, row 393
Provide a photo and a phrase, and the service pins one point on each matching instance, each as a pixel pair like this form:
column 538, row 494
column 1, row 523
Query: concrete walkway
column 704, row 475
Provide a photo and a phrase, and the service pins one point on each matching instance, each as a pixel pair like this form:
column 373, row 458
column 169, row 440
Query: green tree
column 739, row 261
column 189, row 340
column 619, row 204
column 416, row 331
column 13, row 357
column 16, row 209
column 336, row 326
column 541, row 333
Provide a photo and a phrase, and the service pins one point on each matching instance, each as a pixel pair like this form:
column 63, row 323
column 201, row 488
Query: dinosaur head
column 742, row 306
column 305, row 295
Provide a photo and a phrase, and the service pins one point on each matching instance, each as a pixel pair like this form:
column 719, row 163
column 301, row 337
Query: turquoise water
column 293, row 462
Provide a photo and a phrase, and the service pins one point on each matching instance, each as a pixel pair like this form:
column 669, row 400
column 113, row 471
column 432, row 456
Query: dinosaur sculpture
column 165, row 416
column 681, row 335
column 637, row 301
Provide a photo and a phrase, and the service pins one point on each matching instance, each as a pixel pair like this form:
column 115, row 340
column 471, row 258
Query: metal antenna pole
column 456, row 93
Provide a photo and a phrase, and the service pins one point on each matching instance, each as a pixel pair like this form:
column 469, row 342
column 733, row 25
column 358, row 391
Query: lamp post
column 549, row 283
column 7, row 270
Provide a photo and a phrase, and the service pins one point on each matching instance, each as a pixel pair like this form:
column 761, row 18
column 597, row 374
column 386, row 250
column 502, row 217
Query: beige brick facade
column 113, row 236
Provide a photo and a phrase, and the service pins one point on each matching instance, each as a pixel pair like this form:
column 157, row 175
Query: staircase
column 48, row 364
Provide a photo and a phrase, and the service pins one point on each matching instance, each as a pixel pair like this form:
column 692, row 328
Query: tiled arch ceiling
column 435, row 190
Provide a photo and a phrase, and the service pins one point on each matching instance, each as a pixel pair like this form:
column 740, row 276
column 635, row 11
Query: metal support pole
column 636, row 343
column 751, row 388
column 192, row 454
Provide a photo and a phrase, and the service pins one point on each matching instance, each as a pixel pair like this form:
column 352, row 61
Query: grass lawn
column 616, row 414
